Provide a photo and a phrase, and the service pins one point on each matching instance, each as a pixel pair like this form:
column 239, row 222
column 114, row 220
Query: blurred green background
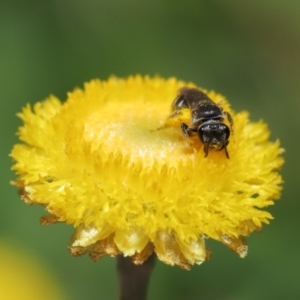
column 247, row 50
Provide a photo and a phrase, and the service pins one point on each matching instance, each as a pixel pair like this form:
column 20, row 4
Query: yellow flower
column 111, row 162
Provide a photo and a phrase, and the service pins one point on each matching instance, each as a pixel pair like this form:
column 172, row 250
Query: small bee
column 206, row 119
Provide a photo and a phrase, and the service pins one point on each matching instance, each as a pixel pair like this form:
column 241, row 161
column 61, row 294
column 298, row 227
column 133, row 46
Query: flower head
column 111, row 162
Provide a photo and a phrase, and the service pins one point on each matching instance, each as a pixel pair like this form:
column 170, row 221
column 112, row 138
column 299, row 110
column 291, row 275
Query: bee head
column 214, row 135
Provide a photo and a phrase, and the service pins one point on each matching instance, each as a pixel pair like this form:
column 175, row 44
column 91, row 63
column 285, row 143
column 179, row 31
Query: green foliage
column 246, row 50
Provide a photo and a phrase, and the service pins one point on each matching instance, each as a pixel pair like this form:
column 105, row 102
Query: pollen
column 110, row 161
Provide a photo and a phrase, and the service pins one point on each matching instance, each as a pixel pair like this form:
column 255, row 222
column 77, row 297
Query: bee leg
column 186, row 130
column 229, row 118
column 226, row 152
column 225, row 149
column 205, row 149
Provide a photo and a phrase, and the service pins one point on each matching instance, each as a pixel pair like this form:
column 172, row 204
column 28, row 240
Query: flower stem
column 134, row 279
